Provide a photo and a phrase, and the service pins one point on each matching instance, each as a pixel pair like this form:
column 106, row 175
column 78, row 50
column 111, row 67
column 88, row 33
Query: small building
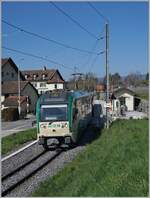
column 10, row 70
column 12, row 102
column 45, row 80
column 126, row 98
column 27, row 92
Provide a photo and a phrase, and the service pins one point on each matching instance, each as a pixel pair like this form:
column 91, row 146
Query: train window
column 54, row 112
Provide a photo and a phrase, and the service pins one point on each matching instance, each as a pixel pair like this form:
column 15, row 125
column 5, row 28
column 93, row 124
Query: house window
column 43, row 76
column 55, row 86
column 43, row 84
column 26, row 76
column 122, row 100
column 35, row 84
column 2, row 74
column 7, row 73
column 34, row 76
column 12, row 75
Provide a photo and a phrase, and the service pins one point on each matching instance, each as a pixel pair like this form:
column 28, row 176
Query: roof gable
column 13, row 100
column 56, row 78
column 11, row 87
column 4, row 61
column 50, row 75
column 121, row 91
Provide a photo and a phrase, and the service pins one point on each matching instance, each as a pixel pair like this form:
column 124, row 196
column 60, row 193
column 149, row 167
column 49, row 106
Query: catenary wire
column 73, row 20
column 48, row 39
column 94, row 60
column 98, row 12
column 35, row 56
column 90, row 55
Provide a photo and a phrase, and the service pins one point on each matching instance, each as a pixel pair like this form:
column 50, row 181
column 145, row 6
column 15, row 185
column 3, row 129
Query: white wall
column 49, row 87
column 52, row 86
column 129, row 100
column 2, row 98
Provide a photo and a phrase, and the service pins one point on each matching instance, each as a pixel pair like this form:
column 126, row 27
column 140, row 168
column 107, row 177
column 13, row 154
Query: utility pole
column 19, row 105
column 107, row 74
column 19, row 101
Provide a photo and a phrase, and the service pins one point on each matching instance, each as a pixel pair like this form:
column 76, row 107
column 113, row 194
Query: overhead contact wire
column 47, row 39
column 35, row 56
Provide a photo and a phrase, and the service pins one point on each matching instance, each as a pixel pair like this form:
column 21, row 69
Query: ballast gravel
column 25, row 189
column 16, row 161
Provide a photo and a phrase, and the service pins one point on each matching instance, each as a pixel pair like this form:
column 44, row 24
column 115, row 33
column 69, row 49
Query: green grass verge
column 13, row 141
column 116, row 164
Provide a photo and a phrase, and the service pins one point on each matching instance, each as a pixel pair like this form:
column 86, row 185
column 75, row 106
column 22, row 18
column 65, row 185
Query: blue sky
column 128, row 33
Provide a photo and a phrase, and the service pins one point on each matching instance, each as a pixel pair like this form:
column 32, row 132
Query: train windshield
column 54, row 113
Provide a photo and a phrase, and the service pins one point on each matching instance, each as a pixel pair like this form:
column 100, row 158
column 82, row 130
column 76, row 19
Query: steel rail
column 29, row 175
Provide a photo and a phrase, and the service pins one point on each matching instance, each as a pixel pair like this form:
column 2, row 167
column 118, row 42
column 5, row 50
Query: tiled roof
column 49, row 75
column 4, row 60
column 11, row 87
column 39, row 74
column 13, row 100
column 123, row 90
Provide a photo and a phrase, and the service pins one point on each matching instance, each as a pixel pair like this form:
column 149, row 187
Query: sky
column 128, row 36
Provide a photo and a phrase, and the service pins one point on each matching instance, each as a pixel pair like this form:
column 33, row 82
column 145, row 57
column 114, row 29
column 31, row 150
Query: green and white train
column 62, row 117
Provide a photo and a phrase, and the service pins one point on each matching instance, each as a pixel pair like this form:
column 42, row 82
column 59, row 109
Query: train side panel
column 82, row 112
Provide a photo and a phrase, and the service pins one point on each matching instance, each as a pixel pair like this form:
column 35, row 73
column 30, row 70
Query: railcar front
column 53, row 120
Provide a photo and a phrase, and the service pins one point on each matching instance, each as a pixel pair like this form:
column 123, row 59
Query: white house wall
column 48, row 87
column 129, row 100
column 2, row 98
column 52, row 86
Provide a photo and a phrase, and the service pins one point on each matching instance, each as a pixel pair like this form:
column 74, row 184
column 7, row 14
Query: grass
column 13, row 141
column 143, row 94
column 116, row 164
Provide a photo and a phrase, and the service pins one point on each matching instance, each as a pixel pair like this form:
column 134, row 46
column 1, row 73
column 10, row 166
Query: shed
column 126, row 98
column 10, row 88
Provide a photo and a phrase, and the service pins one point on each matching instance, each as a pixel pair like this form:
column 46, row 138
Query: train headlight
column 64, row 125
column 43, row 126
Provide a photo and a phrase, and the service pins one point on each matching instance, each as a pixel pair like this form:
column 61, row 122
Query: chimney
column 44, row 68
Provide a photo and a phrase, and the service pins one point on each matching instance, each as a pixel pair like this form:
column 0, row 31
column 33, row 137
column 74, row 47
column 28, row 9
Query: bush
column 10, row 114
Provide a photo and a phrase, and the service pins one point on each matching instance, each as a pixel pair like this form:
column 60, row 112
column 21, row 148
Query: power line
column 73, row 20
column 35, row 56
column 90, row 55
column 95, row 60
column 47, row 39
column 97, row 11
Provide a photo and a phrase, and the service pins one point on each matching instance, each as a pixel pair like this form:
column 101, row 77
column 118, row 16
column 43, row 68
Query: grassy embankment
column 143, row 94
column 116, row 164
column 15, row 140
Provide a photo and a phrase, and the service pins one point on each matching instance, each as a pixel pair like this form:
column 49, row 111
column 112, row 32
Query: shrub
column 10, row 114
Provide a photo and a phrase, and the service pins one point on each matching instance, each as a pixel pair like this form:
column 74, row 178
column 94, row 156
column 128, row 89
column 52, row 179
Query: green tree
column 116, row 80
column 147, row 76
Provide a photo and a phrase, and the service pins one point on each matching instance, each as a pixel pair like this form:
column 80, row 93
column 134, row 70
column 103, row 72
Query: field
column 13, row 141
column 116, row 164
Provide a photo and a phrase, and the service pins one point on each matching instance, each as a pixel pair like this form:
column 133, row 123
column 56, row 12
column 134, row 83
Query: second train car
column 62, row 117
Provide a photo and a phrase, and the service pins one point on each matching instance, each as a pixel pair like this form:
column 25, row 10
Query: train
column 62, row 117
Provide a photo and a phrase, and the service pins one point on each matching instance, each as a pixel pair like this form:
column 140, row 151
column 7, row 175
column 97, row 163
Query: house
column 45, row 80
column 28, row 93
column 10, row 70
column 126, row 97
column 12, row 102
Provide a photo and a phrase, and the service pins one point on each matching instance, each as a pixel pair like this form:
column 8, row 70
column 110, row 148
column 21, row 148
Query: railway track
column 13, row 179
